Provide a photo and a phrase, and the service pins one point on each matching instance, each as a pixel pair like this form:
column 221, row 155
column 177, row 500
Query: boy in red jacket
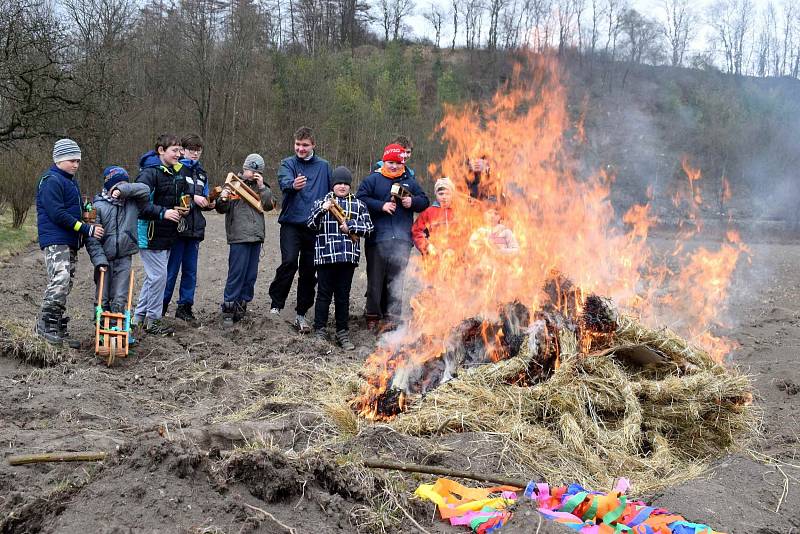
column 435, row 219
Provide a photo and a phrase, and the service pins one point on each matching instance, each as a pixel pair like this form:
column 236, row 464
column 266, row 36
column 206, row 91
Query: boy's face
column 170, row 155
column 193, row 153
column 444, row 197
column 393, row 166
column 69, row 165
column 408, row 151
column 492, row 216
column 303, row 147
column 341, row 190
column 248, row 174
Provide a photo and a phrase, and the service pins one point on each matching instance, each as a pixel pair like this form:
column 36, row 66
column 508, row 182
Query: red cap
column 394, row 152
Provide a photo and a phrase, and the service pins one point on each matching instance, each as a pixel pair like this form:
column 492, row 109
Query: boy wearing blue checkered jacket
column 336, row 253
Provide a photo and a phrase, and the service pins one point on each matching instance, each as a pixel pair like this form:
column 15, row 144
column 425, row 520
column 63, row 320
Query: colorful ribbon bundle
column 485, row 510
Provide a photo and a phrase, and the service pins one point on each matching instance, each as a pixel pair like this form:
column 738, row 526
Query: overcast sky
column 651, row 8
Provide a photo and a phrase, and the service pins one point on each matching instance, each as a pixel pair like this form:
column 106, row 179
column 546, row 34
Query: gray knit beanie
column 253, row 162
column 341, row 175
column 66, row 149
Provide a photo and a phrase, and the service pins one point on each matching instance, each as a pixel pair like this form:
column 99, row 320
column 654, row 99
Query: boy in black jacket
column 244, row 226
column 158, row 228
column 184, row 253
column 336, row 253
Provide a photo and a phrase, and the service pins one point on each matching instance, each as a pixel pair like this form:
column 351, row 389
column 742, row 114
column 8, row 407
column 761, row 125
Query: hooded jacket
column 166, row 186
column 375, row 191
column 196, row 184
column 58, row 210
column 433, row 220
column 243, row 223
column 118, row 218
column 297, row 205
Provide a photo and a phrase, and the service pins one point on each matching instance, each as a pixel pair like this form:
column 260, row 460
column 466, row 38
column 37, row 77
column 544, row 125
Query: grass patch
column 15, row 240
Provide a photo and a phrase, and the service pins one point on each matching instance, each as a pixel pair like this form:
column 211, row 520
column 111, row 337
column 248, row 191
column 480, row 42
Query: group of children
column 161, row 216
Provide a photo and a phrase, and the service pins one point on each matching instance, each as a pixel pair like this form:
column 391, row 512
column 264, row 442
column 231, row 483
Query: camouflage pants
column 60, row 261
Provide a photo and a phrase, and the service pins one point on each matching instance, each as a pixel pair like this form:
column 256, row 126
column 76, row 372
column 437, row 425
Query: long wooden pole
column 378, row 463
column 23, row 459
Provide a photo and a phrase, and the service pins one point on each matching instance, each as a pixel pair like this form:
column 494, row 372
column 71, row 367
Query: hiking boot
column 239, row 311
column 184, row 313
column 64, row 333
column 228, row 311
column 301, row 324
column 158, row 327
column 343, row 338
column 47, row 328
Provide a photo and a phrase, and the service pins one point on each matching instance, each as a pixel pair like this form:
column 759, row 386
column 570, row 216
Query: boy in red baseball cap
column 392, row 196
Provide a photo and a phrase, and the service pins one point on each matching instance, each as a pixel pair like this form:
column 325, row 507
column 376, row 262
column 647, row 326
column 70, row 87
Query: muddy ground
column 171, row 414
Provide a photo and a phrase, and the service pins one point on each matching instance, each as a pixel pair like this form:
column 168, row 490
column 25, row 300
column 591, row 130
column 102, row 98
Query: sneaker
column 157, row 327
column 301, row 324
column 275, row 311
column 343, row 338
column 321, row 335
column 184, row 313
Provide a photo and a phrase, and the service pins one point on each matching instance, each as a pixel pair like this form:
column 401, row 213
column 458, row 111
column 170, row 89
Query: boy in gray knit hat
column 61, row 234
column 245, row 229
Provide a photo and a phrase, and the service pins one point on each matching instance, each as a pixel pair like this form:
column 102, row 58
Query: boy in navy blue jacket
column 389, row 245
column 303, row 178
column 61, row 234
column 337, row 251
column 184, row 253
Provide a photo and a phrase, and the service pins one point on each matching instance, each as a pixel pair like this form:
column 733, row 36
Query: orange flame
column 518, row 145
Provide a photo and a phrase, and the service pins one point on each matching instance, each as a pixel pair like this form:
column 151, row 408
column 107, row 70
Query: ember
column 481, row 303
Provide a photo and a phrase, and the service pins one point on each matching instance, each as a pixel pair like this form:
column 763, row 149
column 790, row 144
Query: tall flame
column 520, row 144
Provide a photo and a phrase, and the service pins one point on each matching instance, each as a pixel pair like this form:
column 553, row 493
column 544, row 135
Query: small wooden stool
column 112, row 330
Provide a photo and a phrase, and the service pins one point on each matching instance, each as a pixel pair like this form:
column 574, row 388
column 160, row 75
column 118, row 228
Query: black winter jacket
column 196, row 184
column 166, row 186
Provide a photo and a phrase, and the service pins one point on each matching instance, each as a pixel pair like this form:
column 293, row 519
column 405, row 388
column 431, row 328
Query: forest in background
column 245, row 74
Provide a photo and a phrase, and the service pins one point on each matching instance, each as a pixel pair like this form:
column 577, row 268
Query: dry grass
column 19, row 341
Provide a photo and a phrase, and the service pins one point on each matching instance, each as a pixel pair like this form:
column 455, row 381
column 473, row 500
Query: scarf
column 392, row 175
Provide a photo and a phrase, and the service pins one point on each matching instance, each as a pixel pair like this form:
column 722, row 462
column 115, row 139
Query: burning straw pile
column 630, row 401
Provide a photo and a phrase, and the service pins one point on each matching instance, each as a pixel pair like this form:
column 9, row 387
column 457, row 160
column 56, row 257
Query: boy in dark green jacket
column 244, row 226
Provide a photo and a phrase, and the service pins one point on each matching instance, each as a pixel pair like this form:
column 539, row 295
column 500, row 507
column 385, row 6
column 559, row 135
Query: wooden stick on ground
column 377, row 463
column 23, row 459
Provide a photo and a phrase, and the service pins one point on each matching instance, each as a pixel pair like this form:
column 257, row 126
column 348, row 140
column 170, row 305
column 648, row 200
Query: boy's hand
column 299, row 182
column 389, row 207
column 326, row 205
column 259, row 180
column 201, row 201
column 344, row 228
column 406, row 202
column 102, row 268
column 172, row 215
column 225, row 194
column 115, row 193
column 96, row 231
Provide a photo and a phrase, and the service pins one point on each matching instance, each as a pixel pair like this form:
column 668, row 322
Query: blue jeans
column 242, row 272
column 182, row 258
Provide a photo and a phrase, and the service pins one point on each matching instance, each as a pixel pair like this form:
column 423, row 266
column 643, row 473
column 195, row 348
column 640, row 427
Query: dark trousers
column 297, row 242
column 385, row 278
column 333, row 281
column 116, row 282
column 242, row 272
column 183, row 259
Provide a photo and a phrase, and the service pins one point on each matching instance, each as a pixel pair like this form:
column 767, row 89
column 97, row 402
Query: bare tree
column 679, row 20
column 400, row 10
column 435, row 15
column 454, row 10
column 473, row 10
column 495, row 8
column 731, row 21
column 36, row 86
